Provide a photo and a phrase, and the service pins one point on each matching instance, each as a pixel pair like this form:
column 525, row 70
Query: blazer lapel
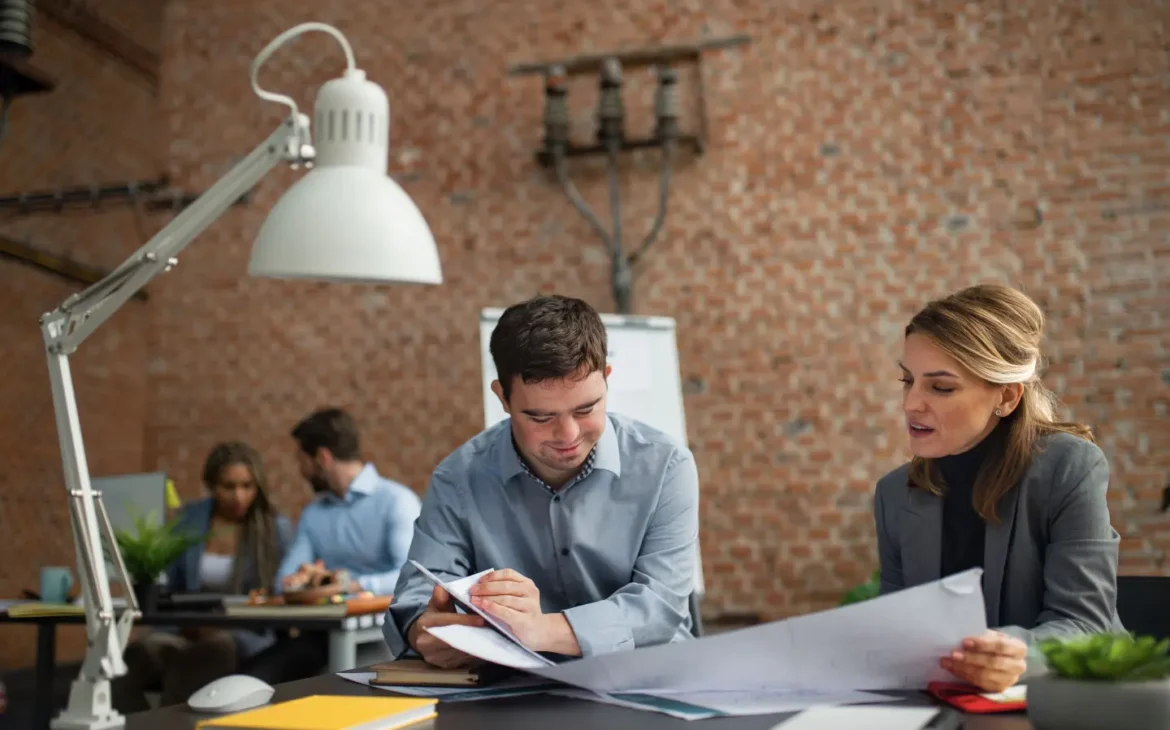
column 997, row 540
column 200, row 522
column 921, row 538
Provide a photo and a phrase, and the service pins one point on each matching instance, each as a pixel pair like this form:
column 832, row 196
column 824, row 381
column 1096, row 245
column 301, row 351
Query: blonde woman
column 996, row 482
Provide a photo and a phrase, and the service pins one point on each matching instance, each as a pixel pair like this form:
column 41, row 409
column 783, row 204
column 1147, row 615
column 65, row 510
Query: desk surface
column 212, row 619
column 539, row 712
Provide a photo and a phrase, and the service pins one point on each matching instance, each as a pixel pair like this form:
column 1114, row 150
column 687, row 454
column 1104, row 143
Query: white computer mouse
column 233, row 693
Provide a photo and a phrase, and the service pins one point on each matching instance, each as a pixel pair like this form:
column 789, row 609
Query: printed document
column 885, row 643
column 870, row 718
column 460, row 591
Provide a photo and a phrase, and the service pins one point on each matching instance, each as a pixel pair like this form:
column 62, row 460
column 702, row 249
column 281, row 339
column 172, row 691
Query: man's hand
column 440, row 612
column 309, row 575
column 992, row 662
column 515, row 600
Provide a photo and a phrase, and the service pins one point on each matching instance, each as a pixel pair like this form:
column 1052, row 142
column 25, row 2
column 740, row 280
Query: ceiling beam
column 65, row 268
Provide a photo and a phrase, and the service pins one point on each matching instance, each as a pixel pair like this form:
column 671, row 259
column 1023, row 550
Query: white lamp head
column 347, row 220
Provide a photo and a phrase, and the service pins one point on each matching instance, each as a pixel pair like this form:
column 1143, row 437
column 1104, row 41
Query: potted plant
column 1108, row 680
column 865, row 591
column 149, row 550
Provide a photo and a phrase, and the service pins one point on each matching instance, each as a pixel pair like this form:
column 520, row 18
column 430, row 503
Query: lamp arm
column 63, row 330
column 85, row 311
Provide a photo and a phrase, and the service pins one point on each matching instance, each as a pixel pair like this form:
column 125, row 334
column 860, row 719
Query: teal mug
column 55, row 584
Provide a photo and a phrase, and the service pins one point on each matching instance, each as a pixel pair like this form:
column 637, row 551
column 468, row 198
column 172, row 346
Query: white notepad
column 868, row 717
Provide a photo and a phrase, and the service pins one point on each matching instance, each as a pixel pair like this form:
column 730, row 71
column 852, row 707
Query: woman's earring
column 999, row 412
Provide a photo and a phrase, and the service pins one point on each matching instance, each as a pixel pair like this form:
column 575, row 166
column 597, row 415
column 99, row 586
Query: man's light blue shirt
column 614, row 549
column 367, row 533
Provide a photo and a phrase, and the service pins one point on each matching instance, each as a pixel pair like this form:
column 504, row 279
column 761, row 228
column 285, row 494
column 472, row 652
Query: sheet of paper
column 489, row 645
column 772, row 702
column 460, row 591
column 889, row 642
column 851, row 718
column 1011, row 694
column 633, row 701
column 510, row 688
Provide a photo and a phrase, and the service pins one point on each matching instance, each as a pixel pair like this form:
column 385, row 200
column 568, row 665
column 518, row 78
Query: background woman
column 996, row 482
column 245, row 542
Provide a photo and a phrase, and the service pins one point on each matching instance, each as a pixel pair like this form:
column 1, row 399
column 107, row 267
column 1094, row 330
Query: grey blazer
column 1050, row 563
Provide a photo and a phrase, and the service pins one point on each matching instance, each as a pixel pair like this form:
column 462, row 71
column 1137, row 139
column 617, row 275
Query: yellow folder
column 329, row 712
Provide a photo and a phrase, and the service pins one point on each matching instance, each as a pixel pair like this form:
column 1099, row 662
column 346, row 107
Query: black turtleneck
column 962, row 527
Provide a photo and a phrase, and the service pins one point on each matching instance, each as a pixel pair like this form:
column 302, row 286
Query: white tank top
column 215, row 572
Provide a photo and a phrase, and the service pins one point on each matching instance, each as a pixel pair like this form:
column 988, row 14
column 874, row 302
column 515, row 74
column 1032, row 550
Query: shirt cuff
column 599, row 628
column 399, row 619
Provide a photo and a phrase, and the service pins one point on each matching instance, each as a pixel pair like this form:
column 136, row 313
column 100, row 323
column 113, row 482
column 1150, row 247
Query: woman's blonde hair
column 995, row 332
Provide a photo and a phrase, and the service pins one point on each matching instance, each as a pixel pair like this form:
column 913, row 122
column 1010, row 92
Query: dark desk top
column 539, row 712
column 212, row 619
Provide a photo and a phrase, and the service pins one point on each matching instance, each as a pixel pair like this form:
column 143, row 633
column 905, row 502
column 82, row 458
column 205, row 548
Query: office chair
column 1143, row 603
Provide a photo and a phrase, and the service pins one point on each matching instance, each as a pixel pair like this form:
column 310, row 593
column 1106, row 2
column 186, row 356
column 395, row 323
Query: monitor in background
column 127, row 496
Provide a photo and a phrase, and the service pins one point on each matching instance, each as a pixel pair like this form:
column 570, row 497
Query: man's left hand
column 515, row 600
column 992, row 662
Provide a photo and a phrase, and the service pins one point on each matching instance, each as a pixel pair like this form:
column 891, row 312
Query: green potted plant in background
column 870, row 589
column 1114, row 681
column 149, row 550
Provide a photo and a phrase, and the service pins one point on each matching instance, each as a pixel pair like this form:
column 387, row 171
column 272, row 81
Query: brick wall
column 863, row 158
column 99, row 124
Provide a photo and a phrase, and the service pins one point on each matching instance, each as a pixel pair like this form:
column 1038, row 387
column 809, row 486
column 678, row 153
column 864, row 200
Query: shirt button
column 564, row 551
column 557, row 498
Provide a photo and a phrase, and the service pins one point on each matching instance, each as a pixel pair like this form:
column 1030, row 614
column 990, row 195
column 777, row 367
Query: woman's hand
column 992, row 662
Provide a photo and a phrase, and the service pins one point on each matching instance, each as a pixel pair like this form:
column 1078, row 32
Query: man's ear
column 608, row 370
column 324, row 458
column 499, row 391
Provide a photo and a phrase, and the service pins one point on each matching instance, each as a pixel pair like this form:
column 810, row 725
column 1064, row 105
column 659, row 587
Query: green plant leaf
column 152, row 546
column 1108, row 657
column 865, row 591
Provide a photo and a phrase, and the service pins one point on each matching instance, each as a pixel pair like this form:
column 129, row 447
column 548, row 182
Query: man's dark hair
column 329, row 428
column 547, row 338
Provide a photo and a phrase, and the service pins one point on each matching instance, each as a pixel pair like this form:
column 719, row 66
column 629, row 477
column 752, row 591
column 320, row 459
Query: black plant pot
column 147, row 595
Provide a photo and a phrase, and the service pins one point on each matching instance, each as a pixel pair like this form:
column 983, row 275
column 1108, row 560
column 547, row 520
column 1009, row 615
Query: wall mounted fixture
column 613, row 137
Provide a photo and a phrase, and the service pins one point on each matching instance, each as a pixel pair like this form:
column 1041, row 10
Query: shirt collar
column 605, row 455
column 362, row 485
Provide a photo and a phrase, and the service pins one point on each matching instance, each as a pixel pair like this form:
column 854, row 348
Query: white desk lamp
column 344, row 221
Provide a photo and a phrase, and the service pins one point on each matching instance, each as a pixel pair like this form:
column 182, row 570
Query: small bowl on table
column 329, row 593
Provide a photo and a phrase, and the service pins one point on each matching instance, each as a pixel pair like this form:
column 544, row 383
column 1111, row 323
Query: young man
column 358, row 528
column 588, row 519
column 360, row 522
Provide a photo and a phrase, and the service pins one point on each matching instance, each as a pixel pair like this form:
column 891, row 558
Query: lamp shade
column 350, row 224
column 347, row 220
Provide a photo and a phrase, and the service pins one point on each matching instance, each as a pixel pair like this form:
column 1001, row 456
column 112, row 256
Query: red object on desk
column 973, row 700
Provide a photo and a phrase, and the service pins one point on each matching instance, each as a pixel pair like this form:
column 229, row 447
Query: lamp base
column 89, row 708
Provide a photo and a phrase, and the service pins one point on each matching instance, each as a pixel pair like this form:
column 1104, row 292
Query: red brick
column 790, row 273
